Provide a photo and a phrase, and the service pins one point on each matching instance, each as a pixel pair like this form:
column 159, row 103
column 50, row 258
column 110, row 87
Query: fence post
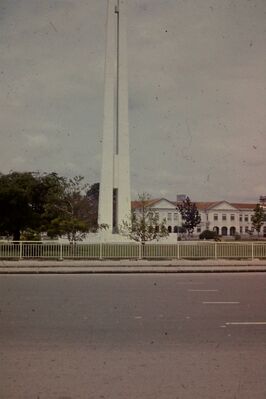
column 215, row 250
column 101, row 251
column 252, row 250
column 140, row 250
column 61, row 251
column 178, row 250
column 20, row 250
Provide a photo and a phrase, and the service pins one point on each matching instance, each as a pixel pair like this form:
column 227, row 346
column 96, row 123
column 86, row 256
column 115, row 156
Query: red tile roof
column 138, row 204
column 206, row 205
column 244, row 206
column 202, row 206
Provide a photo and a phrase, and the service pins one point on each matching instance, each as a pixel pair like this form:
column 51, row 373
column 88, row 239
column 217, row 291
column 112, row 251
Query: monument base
column 106, row 236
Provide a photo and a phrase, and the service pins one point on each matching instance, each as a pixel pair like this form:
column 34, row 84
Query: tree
column 258, row 218
column 24, row 197
column 143, row 224
column 190, row 215
column 19, row 203
column 93, row 199
column 31, row 203
column 68, row 210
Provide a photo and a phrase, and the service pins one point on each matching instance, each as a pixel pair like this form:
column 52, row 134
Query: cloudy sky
column 197, row 93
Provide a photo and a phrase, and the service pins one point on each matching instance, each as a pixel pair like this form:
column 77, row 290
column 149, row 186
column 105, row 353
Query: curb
column 131, row 270
column 131, row 266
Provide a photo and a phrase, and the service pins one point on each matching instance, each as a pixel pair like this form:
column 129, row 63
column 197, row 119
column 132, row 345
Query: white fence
column 181, row 250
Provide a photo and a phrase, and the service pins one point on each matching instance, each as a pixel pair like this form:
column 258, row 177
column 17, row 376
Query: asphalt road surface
column 179, row 336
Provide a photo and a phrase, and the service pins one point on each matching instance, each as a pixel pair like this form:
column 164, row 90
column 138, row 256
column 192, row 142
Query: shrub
column 208, row 235
column 30, row 235
column 237, row 236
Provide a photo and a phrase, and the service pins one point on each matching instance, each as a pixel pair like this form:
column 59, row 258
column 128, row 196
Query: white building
column 227, row 219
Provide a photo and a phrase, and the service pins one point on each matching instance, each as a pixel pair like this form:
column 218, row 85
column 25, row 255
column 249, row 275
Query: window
column 224, row 216
column 232, row 217
column 224, row 231
column 198, row 229
column 175, row 216
column 215, row 216
column 232, row 231
column 169, row 216
column 240, row 218
column 246, row 229
column 246, row 218
column 241, row 229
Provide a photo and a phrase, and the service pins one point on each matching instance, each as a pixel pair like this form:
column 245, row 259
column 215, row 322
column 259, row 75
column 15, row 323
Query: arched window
column 232, row 231
column 169, row 229
column 224, row 231
column 175, row 229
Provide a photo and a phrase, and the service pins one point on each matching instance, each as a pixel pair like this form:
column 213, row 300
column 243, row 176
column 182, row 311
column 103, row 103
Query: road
column 179, row 336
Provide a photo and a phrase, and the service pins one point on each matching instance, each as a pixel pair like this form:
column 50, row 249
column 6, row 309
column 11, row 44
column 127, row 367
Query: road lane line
column 191, row 290
column 246, row 323
column 189, row 282
column 220, row 303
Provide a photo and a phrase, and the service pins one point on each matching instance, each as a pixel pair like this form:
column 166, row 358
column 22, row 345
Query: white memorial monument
column 114, row 197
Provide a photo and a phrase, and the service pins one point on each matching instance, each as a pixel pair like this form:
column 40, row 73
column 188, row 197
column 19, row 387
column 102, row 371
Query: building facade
column 227, row 219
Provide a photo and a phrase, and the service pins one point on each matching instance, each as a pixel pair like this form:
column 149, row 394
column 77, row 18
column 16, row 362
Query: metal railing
column 180, row 250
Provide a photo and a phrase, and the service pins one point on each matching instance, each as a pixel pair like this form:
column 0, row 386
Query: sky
column 197, row 93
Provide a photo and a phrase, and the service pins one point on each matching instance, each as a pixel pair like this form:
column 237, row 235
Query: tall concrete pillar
column 115, row 172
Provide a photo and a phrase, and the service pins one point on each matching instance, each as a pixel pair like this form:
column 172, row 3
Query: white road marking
column 138, row 317
column 220, row 303
column 191, row 290
column 246, row 323
column 189, row 282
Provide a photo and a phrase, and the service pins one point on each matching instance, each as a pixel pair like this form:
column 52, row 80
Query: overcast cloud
column 197, row 93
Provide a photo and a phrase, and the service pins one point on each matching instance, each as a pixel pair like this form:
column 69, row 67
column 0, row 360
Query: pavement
column 131, row 266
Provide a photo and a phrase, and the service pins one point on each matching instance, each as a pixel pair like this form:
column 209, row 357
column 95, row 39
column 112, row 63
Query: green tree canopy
column 19, row 203
column 69, row 210
column 93, row 198
column 258, row 218
column 31, row 203
column 190, row 215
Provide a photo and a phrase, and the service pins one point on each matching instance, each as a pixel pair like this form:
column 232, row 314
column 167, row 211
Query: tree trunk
column 16, row 235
